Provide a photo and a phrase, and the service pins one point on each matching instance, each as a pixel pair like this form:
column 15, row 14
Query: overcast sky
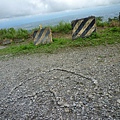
column 11, row 8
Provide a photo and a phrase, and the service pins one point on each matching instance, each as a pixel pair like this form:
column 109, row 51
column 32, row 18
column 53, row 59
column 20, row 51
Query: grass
column 108, row 34
column 13, row 34
column 61, row 27
column 104, row 37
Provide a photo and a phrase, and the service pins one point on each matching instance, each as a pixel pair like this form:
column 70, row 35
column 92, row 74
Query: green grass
column 62, row 27
column 11, row 33
column 106, row 36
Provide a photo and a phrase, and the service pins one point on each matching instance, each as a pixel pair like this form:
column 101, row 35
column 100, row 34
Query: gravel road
column 74, row 84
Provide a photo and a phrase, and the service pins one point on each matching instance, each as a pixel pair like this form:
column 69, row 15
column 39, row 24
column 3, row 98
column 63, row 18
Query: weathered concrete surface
column 76, row 84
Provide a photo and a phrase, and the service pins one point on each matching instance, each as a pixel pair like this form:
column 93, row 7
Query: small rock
column 84, row 102
column 95, row 81
column 62, row 103
column 66, row 105
column 118, row 101
column 67, row 110
column 90, row 97
column 68, row 91
column 6, row 42
column 18, row 40
column 74, row 104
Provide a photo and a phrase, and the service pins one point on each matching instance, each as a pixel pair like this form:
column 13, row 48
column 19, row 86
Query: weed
column 11, row 33
column 62, row 27
column 115, row 29
column 112, row 22
column 95, row 35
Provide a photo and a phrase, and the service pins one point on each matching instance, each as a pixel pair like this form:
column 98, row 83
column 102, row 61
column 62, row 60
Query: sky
column 14, row 8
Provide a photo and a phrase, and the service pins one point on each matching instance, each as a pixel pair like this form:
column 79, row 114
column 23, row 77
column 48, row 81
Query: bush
column 112, row 22
column 11, row 33
column 94, row 35
column 22, row 34
column 115, row 29
column 62, row 27
column 100, row 23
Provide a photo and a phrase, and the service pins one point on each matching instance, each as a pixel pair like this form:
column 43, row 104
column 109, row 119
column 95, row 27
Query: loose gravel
column 74, row 84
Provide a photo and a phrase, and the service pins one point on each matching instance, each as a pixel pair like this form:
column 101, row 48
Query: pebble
column 118, row 101
column 67, row 110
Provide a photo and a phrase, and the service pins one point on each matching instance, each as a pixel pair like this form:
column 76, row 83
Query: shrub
column 112, row 22
column 115, row 29
column 99, row 21
column 11, row 33
column 62, row 27
column 22, row 34
column 94, row 35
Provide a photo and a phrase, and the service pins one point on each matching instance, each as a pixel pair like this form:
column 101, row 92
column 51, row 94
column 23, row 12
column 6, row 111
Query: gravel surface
column 74, row 84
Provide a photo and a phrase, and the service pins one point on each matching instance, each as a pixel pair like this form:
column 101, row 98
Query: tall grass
column 11, row 33
column 62, row 27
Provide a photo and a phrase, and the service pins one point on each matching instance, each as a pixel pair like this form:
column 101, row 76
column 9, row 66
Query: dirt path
column 76, row 84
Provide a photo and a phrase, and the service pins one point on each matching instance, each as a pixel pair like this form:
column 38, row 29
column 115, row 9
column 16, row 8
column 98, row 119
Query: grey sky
column 11, row 8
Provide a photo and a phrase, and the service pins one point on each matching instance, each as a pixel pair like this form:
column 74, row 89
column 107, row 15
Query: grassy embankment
column 107, row 33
